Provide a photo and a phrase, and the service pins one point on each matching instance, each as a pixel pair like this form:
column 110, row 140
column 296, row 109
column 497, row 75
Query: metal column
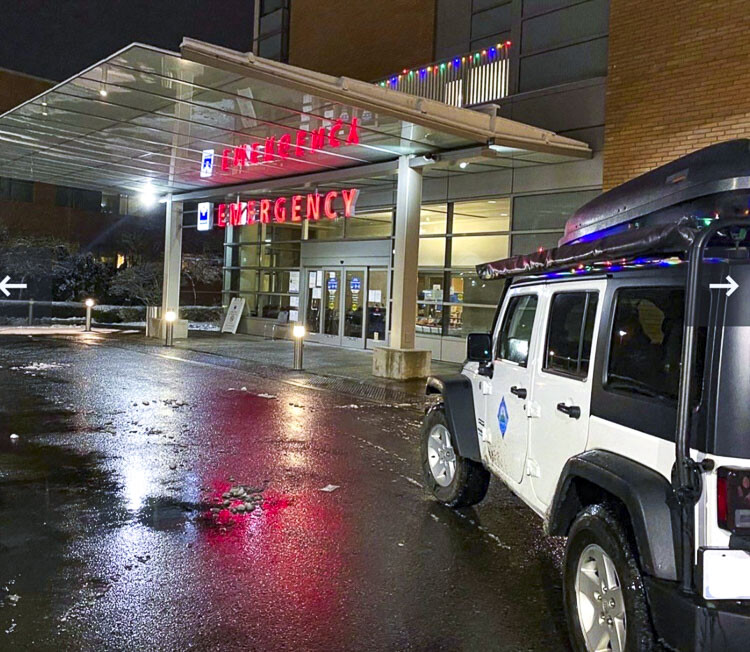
column 172, row 258
column 405, row 263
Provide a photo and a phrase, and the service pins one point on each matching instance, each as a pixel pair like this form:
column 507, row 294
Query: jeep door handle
column 519, row 391
column 573, row 411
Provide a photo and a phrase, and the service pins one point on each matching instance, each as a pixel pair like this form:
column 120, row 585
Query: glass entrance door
column 377, row 307
column 314, row 301
column 354, row 296
column 331, row 326
column 347, row 306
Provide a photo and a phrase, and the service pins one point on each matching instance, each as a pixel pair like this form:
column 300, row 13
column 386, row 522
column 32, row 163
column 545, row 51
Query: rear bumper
column 688, row 623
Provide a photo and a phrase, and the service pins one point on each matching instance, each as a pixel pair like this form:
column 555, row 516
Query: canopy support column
column 172, row 268
column 401, row 360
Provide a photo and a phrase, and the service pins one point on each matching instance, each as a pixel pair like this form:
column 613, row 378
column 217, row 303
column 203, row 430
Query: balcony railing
column 475, row 78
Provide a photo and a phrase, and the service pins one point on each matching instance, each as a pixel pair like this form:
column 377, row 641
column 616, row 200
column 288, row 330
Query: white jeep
column 613, row 397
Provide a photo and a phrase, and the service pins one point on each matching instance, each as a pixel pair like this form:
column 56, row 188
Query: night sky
column 55, row 39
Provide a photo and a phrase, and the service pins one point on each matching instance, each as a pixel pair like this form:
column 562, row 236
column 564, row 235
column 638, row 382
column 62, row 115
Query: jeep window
column 569, row 333
column 515, row 333
column 646, row 343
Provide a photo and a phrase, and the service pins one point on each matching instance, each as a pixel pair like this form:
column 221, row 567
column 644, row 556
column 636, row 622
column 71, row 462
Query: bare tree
column 200, row 269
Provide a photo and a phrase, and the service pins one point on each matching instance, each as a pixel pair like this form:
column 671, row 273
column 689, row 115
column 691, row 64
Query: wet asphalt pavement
column 108, row 541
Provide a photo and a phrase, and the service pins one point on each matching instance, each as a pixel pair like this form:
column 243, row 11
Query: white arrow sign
column 4, row 286
column 730, row 286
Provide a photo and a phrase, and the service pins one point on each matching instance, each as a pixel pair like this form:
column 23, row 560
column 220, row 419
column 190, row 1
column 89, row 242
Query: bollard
column 299, row 340
column 89, row 306
column 31, row 311
column 170, row 318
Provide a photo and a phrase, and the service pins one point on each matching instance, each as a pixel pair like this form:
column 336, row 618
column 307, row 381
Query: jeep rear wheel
column 605, row 603
column 451, row 478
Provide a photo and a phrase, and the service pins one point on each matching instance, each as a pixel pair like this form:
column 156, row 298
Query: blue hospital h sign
column 207, row 163
column 205, row 216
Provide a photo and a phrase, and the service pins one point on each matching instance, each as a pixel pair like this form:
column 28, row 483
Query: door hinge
column 532, row 468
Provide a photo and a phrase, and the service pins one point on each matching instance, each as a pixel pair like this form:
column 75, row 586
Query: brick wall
column 16, row 87
column 679, row 79
column 362, row 39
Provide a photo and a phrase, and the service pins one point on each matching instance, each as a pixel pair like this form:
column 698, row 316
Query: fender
column 646, row 494
column 458, row 399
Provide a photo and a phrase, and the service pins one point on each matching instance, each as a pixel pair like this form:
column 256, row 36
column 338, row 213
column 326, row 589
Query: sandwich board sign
column 232, row 319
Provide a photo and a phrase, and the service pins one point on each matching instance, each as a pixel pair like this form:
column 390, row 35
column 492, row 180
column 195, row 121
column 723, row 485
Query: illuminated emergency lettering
column 275, row 148
column 335, row 204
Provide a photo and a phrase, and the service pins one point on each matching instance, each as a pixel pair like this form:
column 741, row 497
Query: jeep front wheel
column 451, row 478
column 605, row 603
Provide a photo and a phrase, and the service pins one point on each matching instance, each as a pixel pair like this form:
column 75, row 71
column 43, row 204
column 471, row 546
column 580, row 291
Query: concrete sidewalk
column 332, row 362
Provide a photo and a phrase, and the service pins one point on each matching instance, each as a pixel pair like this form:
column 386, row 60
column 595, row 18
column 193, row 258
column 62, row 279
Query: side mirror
column 479, row 347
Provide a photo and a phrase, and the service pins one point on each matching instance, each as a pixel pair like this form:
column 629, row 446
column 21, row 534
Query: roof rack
column 657, row 214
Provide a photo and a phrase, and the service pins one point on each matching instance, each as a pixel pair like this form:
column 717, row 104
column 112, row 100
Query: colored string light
column 442, row 66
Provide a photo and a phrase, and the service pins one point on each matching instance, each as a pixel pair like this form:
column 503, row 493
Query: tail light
column 733, row 499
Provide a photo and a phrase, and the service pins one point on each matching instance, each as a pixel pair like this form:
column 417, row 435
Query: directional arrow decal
column 5, row 286
column 730, row 286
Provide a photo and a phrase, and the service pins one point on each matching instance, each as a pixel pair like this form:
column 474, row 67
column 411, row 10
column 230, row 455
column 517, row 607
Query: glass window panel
column 433, row 219
column 272, row 306
column 377, row 306
column 472, row 250
column 527, row 243
column 548, row 211
column 481, row 216
column 274, row 281
column 325, row 229
column 247, row 233
column 430, row 286
column 431, row 252
column 646, row 341
column 429, row 319
column 463, row 320
column 370, row 225
column 280, row 255
column 515, row 333
column 570, row 333
column 247, row 280
column 249, row 255
column 285, row 233
column 467, row 287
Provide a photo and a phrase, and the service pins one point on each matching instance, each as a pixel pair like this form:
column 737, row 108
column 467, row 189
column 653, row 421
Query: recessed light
column 463, row 164
column 103, row 92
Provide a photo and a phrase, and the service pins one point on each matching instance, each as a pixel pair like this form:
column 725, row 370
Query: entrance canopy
column 209, row 118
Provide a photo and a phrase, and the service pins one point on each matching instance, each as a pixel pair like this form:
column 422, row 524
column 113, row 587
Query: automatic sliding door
column 354, row 290
column 332, row 306
column 314, row 301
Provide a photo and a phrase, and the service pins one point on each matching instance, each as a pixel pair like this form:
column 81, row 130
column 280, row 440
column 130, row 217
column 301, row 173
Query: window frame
column 501, row 325
column 587, row 306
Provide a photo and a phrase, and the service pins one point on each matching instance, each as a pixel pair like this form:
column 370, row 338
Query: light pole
column 89, row 306
column 299, row 340
column 170, row 318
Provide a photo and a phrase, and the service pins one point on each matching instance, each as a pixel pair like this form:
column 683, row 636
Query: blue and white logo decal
column 502, row 417
column 333, row 284
column 355, row 284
